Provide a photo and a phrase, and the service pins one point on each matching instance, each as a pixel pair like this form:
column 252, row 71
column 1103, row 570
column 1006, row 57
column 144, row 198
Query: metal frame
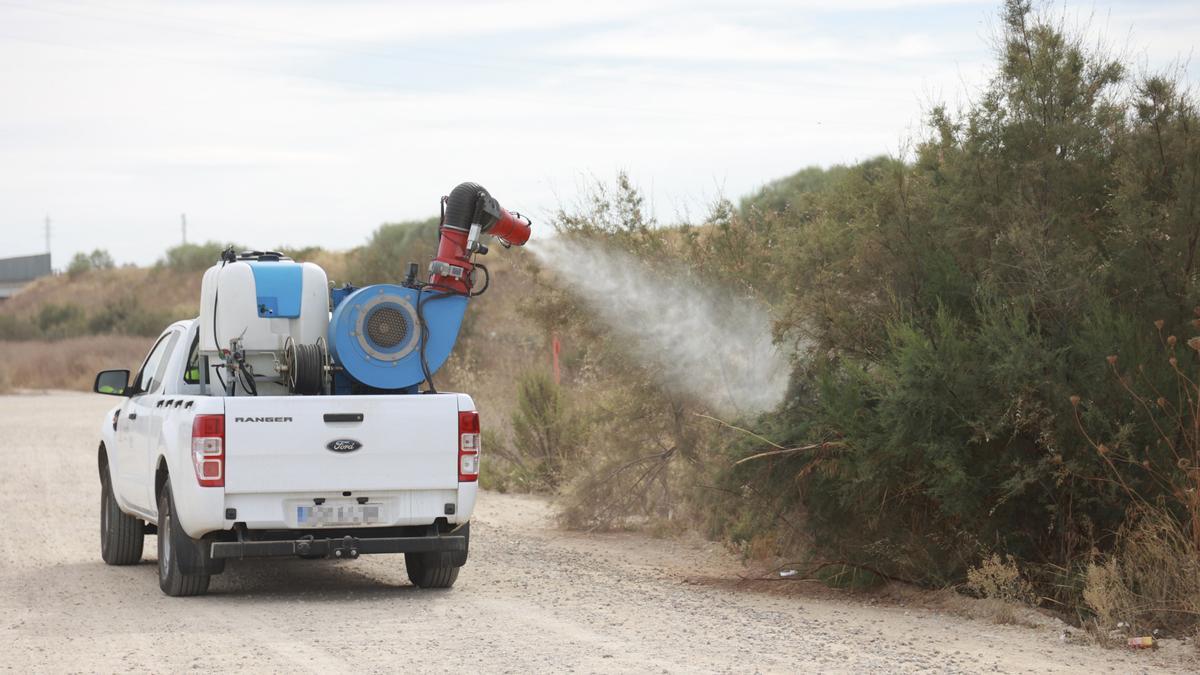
column 344, row 547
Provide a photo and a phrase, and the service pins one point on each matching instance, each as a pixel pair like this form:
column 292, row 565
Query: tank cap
column 262, row 256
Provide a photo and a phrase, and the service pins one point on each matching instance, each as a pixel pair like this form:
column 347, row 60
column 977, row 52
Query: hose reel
column 305, row 366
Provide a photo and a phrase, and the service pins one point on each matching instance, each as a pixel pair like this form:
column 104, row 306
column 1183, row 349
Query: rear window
column 191, row 374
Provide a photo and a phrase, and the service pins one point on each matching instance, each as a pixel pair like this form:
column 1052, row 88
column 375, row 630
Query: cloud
column 707, row 41
column 311, row 122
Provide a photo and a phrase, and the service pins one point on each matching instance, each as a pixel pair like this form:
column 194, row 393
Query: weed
column 997, row 578
column 1150, row 580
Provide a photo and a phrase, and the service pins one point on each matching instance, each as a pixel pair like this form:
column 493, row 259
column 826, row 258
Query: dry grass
column 1150, row 581
column 997, row 578
column 1005, row 594
column 67, row 364
column 335, row 263
column 155, row 288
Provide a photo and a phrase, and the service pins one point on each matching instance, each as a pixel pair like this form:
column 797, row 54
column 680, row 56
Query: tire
column 171, row 579
column 122, row 536
column 431, row 570
column 439, row 569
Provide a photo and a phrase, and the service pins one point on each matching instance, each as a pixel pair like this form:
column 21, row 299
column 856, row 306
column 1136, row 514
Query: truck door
column 122, row 459
column 135, row 472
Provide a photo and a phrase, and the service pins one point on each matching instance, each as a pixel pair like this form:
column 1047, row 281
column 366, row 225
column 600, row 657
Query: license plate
column 330, row 515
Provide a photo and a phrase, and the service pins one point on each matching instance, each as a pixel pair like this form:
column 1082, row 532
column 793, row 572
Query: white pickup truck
column 219, row 477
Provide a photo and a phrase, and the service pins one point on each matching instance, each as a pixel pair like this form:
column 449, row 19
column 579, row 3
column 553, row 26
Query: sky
column 286, row 122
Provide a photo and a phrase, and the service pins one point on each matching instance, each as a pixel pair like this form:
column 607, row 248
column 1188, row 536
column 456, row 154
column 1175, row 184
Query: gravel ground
column 532, row 598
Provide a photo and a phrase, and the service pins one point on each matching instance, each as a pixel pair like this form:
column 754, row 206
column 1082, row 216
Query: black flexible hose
column 487, row 280
column 461, row 205
column 421, row 341
column 247, row 378
column 225, row 257
column 306, row 362
column 425, row 331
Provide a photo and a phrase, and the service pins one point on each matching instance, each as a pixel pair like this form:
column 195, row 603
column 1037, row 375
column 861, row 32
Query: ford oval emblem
column 343, row 445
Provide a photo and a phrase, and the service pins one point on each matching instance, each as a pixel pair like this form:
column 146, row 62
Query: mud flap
column 459, row 558
column 194, row 555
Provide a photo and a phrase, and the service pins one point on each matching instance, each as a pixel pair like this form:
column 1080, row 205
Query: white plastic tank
column 263, row 302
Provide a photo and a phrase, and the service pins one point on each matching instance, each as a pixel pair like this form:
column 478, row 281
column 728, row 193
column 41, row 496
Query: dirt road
column 532, row 598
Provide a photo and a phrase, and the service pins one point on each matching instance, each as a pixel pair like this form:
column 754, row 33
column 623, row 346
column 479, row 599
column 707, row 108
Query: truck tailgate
column 287, row 444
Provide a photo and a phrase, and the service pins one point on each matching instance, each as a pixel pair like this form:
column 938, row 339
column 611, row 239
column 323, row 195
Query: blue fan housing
column 375, row 334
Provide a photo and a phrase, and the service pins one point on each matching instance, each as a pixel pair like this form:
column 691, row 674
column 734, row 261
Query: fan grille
column 387, row 327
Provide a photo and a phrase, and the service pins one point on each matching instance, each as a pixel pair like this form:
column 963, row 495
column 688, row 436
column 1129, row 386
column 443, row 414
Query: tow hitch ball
column 348, row 549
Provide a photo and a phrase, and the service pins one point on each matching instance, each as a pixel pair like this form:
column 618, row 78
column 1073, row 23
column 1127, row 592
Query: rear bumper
column 203, row 510
column 339, row 547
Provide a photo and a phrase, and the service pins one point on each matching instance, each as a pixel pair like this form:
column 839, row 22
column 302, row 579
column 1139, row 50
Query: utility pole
column 183, row 223
column 47, row 233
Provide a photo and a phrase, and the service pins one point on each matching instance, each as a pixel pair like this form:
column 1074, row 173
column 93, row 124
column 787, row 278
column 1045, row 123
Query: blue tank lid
column 278, row 286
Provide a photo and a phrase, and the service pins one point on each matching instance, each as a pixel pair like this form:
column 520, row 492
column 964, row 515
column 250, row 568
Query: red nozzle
column 511, row 228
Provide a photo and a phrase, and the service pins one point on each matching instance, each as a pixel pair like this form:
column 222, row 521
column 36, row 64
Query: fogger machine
column 271, row 325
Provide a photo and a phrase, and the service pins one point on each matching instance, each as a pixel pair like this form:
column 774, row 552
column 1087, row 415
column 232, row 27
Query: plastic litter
column 1147, row 642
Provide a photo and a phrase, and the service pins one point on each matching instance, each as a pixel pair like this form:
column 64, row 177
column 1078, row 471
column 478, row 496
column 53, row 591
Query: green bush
column 386, row 256
column 546, row 435
column 794, row 194
column 956, row 302
column 61, row 321
column 126, row 316
column 98, row 259
column 194, row 257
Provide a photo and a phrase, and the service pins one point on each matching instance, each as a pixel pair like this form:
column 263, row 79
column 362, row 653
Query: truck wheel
column 121, row 535
column 431, row 570
column 171, row 538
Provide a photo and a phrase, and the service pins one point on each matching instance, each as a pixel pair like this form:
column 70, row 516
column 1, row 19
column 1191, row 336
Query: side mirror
column 113, row 382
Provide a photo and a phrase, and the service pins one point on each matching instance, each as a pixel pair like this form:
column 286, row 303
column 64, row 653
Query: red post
column 555, row 348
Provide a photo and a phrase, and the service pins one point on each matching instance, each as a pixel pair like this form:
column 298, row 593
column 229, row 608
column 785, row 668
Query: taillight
column 208, row 450
column 468, row 446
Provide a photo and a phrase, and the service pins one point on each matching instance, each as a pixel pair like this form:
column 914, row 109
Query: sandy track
column 531, row 598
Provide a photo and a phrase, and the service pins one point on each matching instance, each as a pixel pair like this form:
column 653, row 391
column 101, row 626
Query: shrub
column 61, row 321
column 793, row 194
column 126, row 316
column 546, row 436
column 956, row 299
column 112, row 317
column 1151, row 579
column 194, row 257
column 997, row 578
column 386, row 256
column 17, row 328
column 98, row 259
